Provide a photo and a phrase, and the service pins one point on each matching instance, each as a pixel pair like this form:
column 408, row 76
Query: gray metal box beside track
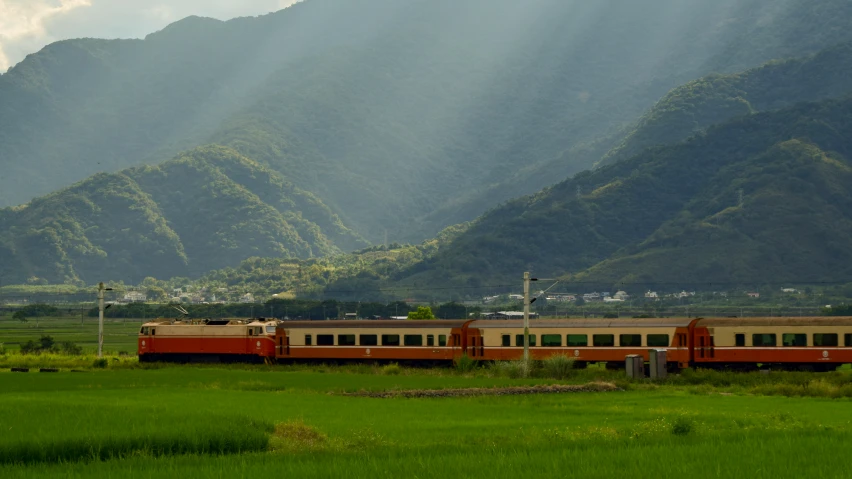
column 635, row 366
column 658, row 363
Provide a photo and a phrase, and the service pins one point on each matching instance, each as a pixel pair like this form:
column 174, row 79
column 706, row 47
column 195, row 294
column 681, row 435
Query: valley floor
column 295, row 422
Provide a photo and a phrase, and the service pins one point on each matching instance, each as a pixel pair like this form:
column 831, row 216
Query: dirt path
column 507, row 391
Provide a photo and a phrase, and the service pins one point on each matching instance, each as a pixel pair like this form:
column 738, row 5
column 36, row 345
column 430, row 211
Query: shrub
column 558, row 366
column 514, row 369
column 46, row 342
column 100, row 363
column 465, row 364
column 30, row 347
column 2, row 350
column 71, row 349
column 682, row 426
column 391, row 369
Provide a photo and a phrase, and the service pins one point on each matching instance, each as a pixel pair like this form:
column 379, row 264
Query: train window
column 629, row 340
column 790, row 339
column 251, row 331
column 144, row 331
column 739, row 339
column 577, row 340
column 270, row 330
column 346, row 340
column 430, row 340
column 551, row 340
column 390, row 340
column 325, row 340
column 368, row 340
column 822, row 339
column 847, row 339
column 658, row 340
column 758, row 340
column 308, row 340
column 412, row 340
column 605, row 340
column 154, row 331
column 442, row 340
column 519, row 340
column 507, row 340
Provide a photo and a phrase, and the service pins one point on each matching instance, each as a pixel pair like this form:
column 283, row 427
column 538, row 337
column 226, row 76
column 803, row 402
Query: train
column 800, row 343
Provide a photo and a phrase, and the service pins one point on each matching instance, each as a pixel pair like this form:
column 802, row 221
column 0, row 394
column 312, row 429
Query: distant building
column 789, row 290
column 563, row 298
column 516, row 296
column 508, row 315
column 247, row 298
column 652, row 295
column 134, row 297
column 622, row 296
column 753, row 295
column 612, row 300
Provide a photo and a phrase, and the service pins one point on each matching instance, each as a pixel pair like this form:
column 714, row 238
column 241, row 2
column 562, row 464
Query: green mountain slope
column 672, row 213
column 711, row 100
column 209, row 207
column 403, row 116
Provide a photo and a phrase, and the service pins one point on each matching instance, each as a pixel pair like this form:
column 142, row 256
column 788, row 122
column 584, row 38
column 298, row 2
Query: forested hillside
column 673, row 214
column 689, row 109
column 207, row 208
column 404, row 116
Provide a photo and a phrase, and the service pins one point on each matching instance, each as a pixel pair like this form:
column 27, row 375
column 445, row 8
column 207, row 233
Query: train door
column 145, row 345
column 456, row 342
column 704, row 345
column 282, row 346
column 475, row 348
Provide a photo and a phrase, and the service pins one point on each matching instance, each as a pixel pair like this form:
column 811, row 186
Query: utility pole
column 101, row 309
column 526, row 316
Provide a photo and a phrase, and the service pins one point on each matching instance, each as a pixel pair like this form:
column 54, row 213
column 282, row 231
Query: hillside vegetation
column 209, row 207
column 691, row 108
column 672, row 214
column 405, row 116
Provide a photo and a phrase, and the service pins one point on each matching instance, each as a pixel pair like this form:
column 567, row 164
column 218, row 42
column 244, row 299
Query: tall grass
column 14, row 359
column 219, row 435
column 558, row 366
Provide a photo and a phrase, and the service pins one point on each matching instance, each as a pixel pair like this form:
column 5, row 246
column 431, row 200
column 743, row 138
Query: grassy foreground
column 280, row 422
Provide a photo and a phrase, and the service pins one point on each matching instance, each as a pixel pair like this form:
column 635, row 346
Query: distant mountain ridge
column 401, row 116
column 209, row 206
column 691, row 108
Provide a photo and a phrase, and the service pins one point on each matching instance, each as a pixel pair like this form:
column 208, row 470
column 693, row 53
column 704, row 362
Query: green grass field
column 119, row 335
column 294, row 422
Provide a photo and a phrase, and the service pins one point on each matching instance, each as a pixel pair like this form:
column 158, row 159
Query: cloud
column 28, row 25
column 22, row 23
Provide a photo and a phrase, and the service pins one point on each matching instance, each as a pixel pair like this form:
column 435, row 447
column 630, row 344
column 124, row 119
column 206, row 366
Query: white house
column 652, row 295
column 134, row 297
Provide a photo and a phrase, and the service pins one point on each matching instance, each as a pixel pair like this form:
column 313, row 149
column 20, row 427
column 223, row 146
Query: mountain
column 711, row 100
column 673, row 213
column 208, row 207
column 400, row 116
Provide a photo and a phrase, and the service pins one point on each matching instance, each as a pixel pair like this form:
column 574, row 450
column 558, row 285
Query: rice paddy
column 284, row 421
column 123, row 418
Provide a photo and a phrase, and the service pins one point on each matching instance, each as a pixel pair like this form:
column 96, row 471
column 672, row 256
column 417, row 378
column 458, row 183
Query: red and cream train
column 813, row 343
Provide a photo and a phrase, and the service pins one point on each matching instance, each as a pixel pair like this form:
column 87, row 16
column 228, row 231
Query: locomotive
column 804, row 343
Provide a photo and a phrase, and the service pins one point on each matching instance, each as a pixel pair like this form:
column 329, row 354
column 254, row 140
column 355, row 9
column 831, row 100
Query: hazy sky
column 28, row 25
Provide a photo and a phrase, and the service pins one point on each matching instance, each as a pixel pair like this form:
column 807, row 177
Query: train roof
column 776, row 321
column 210, row 322
column 586, row 323
column 373, row 324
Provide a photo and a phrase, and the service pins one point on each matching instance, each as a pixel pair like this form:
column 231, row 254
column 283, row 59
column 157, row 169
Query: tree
column 20, row 316
column 423, row 312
